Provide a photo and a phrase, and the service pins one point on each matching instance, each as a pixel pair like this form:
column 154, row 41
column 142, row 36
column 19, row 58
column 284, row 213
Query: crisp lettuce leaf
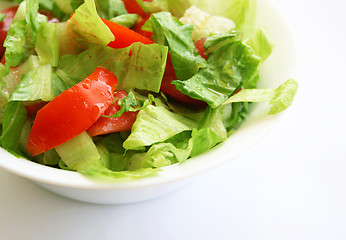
column 110, row 8
column 89, row 26
column 82, row 155
column 233, row 114
column 126, row 20
column 15, row 116
column 171, row 32
column 47, row 44
column 242, row 12
column 156, row 124
column 231, row 64
column 130, row 65
column 205, row 24
column 261, row 43
column 35, row 85
column 34, row 19
column 279, row 98
column 16, row 47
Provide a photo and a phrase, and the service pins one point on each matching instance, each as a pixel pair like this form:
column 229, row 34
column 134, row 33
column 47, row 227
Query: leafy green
column 156, row 124
column 231, row 63
column 131, row 104
column 82, row 155
column 242, row 12
column 280, row 98
column 89, row 26
column 261, row 43
column 47, row 45
column 205, row 24
column 126, row 20
column 130, row 65
column 110, row 8
column 2, row 16
column 171, row 32
column 14, row 120
column 35, row 85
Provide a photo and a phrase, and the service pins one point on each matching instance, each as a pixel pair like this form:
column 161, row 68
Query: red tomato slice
column 110, row 125
column 72, row 112
column 124, row 36
column 169, row 89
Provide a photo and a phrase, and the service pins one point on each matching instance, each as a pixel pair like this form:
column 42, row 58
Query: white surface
column 290, row 186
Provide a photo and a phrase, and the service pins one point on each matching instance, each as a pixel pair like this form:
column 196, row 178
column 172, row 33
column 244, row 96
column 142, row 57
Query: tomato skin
column 72, row 112
column 110, row 125
column 169, row 89
column 124, row 36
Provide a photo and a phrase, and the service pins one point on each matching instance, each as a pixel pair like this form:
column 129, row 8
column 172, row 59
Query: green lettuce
column 47, row 44
column 126, row 20
column 15, row 116
column 242, row 12
column 35, row 85
column 231, row 64
column 171, row 32
column 82, row 155
column 205, row 24
column 280, row 98
column 156, row 124
column 130, row 65
column 89, row 26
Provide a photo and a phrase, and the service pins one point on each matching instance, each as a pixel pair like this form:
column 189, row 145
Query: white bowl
column 278, row 68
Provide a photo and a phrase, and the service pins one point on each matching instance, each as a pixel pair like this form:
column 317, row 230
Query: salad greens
column 210, row 97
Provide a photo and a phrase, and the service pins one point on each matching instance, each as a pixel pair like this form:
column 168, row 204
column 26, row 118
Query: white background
column 292, row 185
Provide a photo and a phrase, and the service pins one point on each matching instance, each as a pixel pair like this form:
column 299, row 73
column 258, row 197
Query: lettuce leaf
column 156, row 124
column 280, row 98
column 89, row 26
column 82, row 155
column 171, row 32
column 205, row 24
column 47, row 44
column 261, row 43
column 35, row 85
column 242, row 12
column 132, row 70
column 15, row 116
column 126, row 20
column 231, row 64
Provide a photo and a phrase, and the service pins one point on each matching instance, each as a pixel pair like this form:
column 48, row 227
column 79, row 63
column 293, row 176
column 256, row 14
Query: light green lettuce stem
column 280, row 98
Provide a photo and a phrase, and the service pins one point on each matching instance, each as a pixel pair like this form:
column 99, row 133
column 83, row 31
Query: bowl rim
column 177, row 172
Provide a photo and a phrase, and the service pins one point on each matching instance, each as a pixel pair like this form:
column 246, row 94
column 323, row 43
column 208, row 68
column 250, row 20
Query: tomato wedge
column 132, row 6
column 118, row 124
column 124, row 36
column 72, row 112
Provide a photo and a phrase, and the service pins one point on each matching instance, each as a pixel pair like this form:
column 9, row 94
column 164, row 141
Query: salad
column 118, row 89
